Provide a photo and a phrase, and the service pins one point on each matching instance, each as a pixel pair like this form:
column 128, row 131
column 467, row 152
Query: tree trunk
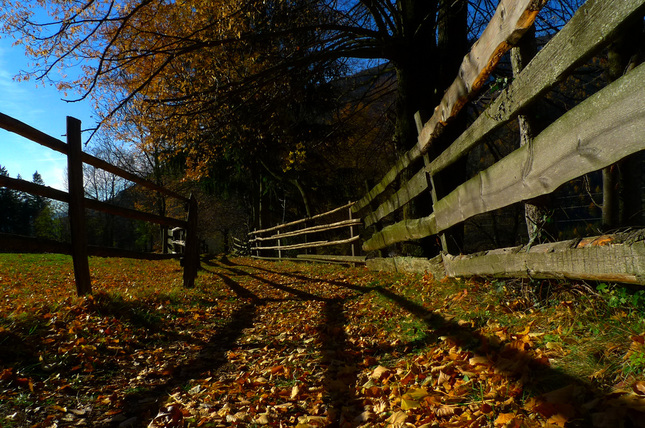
column 303, row 194
column 452, row 45
column 260, row 213
column 622, row 182
column 416, row 67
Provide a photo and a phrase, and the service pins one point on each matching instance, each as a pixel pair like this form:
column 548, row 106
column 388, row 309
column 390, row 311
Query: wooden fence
column 272, row 243
column 239, row 247
column 77, row 203
column 600, row 131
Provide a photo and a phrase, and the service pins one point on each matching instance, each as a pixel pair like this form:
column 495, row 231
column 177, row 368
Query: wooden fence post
column 191, row 249
column 351, row 232
column 165, row 248
column 433, row 189
column 279, row 245
column 257, row 243
column 76, row 208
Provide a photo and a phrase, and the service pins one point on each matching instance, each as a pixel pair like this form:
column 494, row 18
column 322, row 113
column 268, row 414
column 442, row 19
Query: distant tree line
column 29, row 215
column 35, row 216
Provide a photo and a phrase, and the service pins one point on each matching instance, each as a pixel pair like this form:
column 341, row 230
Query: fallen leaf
column 558, row 419
column 294, row 392
column 365, row 416
column 444, row 411
column 262, row 419
column 407, row 404
column 380, row 372
column 503, row 419
column 639, row 387
column 416, row 394
column 397, row 418
column 479, row 360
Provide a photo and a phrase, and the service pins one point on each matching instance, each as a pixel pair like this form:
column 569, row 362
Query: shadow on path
column 213, row 354
column 338, row 362
column 541, row 378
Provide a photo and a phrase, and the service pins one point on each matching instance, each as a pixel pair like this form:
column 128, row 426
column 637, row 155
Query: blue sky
column 40, row 107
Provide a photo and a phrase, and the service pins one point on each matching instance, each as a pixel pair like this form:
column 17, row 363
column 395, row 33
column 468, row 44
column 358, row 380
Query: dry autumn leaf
column 639, row 387
column 407, row 404
column 504, row 419
column 397, row 418
column 266, row 357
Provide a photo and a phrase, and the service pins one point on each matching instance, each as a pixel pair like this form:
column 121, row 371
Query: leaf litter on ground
column 259, row 343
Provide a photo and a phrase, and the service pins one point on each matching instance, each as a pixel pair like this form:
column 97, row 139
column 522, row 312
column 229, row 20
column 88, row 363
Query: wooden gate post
column 351, row 232
column 76, row 208
column 165, row 248
column 257, row 242
column 191, row 249
column 433, row 189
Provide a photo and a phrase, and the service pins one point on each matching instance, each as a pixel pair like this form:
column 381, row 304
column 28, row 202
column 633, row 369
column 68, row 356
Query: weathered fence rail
column 239, row 247
column 605, row 128
column 272, row 239
column 77, row 203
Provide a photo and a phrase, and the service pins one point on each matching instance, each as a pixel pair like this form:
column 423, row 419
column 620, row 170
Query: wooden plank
column 605, row 128
column 351, row 231
column 292, row 246
column 405, row 230
column 48, row 192
column 191, row 247
column 409, row 265
column 27, row 244
column 97, row 251
column 100, row 163
column 17, row 127
column 34, row 189
column 401, row 164
column 309, row 244
column 277, row 259
column 613, row 263
column 312, row 229
column 331, row 258
column 411, row 189
column 592, row 27
column 302, row 220
column 510, row 21
column 93, row 204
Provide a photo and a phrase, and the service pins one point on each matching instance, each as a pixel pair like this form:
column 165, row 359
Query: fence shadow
column 539, row 378
column 338, row 363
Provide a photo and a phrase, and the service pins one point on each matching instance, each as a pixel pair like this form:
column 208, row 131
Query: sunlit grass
column 140, row 322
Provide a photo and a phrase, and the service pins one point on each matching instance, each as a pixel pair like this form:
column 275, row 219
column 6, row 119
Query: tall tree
column 192, row 55
column 623, row 182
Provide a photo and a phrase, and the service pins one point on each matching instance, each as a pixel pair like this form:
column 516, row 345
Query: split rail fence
column 603, row 129
column 272, row 243
column 77, row 203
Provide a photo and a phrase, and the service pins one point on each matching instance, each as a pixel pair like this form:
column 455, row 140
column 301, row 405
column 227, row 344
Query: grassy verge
column 283, row 344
